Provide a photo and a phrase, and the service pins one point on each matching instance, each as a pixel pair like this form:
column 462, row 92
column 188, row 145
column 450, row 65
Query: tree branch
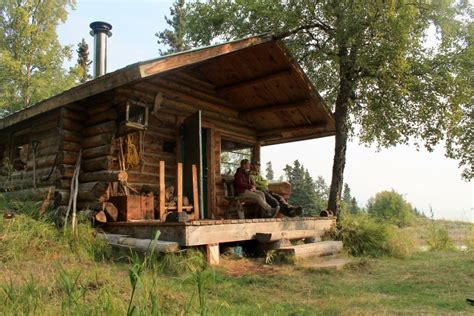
column 319, row 25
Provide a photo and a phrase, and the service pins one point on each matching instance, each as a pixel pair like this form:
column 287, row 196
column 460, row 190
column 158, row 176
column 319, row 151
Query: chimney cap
column 100, row 27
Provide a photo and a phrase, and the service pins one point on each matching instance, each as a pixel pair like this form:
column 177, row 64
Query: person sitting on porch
column 245, row 187
column 272, row 198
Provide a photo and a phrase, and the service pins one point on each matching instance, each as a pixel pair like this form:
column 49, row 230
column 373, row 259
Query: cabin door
column 192, row 155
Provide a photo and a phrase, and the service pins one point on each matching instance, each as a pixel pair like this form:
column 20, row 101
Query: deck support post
column 162, row 191
column 212, row 254
column 195, row 193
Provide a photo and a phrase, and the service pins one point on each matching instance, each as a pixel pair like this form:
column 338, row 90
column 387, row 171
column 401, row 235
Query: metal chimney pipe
column 100, row 31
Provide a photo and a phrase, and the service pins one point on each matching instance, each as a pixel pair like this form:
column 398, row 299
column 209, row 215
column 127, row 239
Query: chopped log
column 104, row 176
column 109, row 115
column 94, row 191
column 101, row 217
column 99, row 151
column 106, row 127
column 99, row 163
column 111, row 211
column 97, row 140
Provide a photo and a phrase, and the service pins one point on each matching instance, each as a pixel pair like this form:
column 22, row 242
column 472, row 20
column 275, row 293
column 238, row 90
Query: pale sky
column 423, row 178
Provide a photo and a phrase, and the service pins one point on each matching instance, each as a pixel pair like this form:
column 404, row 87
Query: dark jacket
column 242, row 181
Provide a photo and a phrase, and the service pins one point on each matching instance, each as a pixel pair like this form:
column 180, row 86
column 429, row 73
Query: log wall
column 45, row 130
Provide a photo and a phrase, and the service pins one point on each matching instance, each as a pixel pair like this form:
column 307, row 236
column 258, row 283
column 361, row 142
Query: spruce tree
column 83, row 61
column 269, row 169
column 174, row 38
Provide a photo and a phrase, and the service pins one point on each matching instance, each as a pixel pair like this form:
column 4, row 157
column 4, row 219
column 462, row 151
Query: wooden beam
column 246, row 114
column 199, row 55
column 195, row 192
column 253, row 81
column 317, row 126
column 179, row 186
column 162, row 191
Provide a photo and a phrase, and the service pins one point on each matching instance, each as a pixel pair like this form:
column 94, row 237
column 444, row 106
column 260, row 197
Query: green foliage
column 374, row 58
column 83, row 61
column 269, row 169
column 390, row 206
column 31, row 56
column 365, row 236
column 175, row 38
column 303, row 191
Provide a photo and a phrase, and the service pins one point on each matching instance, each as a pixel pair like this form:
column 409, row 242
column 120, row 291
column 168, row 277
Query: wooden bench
column 236, row 203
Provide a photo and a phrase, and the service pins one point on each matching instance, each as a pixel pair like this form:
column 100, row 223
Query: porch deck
column 206, row 232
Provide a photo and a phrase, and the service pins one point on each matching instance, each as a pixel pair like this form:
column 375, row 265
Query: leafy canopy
column 390, row 206
column 403, row 70
column 31, row 56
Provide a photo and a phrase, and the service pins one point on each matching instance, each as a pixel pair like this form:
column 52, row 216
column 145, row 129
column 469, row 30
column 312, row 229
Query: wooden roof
column 255, row 78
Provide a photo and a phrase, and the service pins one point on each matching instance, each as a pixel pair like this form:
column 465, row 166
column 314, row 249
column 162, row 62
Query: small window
column 232, row 153
column 20, row 156
column 136, row 115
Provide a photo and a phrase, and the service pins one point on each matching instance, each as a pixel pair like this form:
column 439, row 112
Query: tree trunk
column 341, row 118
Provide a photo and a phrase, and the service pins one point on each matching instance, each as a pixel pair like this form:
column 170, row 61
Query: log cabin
column 193, row 108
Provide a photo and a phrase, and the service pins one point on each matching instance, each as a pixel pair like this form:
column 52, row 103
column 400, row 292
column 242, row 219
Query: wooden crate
column 134, row 207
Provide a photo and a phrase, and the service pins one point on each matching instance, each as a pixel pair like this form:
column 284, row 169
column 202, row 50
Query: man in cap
column 245, row 187
column 272, row 198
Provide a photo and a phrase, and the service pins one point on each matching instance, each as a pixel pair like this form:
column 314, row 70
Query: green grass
column 45, row 272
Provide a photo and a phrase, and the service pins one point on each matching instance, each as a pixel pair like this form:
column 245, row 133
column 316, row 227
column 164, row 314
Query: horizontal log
column 105, row 176
column 99, row 163
column 142, row 245
column 71, row 125
column 66, row 171
column 38, row 194
column 73, row 114
column 93, row 191
column 97, row 140
column 109, row 115
column 95, row 109
column 71, row 146
column 290, row 235
column 93, row 152
column 106, row 127
column 71, row 136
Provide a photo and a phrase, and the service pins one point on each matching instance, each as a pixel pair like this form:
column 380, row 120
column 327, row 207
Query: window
column 232, row 153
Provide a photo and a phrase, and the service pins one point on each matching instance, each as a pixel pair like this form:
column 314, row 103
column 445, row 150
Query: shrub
column 391, row 207
column 438, row 238
column 364, row 236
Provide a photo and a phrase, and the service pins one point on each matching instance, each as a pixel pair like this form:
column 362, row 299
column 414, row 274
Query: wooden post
column 162, row 190
column 213, row 255
column 195, row 193
column 179, row 187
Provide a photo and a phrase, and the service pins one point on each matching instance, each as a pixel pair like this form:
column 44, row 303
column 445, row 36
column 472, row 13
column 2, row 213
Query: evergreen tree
column 83, row 61
column 353, row 207
column 303, row 191
column 370, row 62
column 322, row 193
column 31, row 56
column 346, row 195
column 174, row 38
column 269, row 170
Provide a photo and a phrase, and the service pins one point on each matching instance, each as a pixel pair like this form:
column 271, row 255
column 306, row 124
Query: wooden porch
column 208, row 232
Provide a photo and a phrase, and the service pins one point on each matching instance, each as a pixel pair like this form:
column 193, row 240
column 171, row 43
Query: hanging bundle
column 132, row 157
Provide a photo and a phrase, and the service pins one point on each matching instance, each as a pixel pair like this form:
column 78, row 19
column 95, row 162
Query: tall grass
column 366, row 236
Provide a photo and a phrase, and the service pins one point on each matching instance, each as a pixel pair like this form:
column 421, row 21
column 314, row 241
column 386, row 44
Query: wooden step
column 288, row 234
column 141, row 245
column 321, row 248
column 326, row 263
